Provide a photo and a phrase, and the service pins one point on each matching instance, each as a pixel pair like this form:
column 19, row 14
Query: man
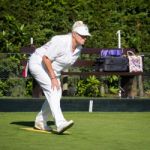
column 46, row 64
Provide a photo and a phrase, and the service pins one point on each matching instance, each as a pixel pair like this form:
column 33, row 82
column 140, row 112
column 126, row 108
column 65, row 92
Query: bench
column 131, row 83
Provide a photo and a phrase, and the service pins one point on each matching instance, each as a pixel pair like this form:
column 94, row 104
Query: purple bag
column 111, row 52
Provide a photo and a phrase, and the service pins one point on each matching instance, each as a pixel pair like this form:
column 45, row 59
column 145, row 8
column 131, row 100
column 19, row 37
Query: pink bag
column 25, row 70
column 135, row 62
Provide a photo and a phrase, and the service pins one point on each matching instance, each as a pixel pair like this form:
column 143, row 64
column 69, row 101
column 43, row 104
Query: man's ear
column 73, row 34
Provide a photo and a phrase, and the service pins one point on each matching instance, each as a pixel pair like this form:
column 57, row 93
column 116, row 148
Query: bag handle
column 129, row 53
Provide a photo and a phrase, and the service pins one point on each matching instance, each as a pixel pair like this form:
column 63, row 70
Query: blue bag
column 111, row 52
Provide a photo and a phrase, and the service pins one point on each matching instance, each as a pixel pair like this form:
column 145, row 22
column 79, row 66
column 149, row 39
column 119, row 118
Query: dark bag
column 112, row 64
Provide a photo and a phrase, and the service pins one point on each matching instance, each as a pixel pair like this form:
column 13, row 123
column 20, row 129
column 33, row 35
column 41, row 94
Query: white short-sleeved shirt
column 59, row 51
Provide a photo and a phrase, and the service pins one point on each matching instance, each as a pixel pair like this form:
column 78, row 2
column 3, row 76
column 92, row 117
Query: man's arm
column 48, row 64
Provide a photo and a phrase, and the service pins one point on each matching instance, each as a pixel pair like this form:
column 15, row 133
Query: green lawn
column 92, row 131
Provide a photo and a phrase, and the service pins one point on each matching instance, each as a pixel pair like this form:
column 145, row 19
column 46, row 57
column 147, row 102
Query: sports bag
column 111, row 52
column 112, row 64
column 115, row 64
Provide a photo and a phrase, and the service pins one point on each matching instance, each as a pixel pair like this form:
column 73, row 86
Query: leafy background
column 21, row 19
column 41, row 19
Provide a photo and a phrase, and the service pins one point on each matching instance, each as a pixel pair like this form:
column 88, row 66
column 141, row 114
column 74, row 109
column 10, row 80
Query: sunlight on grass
column 92, row 131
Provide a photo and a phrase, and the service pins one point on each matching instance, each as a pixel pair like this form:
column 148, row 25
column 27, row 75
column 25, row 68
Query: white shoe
column 64, row 126
column 42, row 126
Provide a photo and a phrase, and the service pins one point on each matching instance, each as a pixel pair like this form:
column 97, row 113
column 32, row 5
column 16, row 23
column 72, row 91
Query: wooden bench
column 131, row 83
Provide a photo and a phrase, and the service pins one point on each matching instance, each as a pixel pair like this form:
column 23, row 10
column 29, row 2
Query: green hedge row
column 20, row 20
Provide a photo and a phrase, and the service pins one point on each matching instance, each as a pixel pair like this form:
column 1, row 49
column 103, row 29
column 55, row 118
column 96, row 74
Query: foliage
column 9, row 67
column 88, row 87
column 29, row 85
column 21, row 20
column 11, row 84
column 147, row 84
column 113, row 83
column 41, row 20
column 12, row 36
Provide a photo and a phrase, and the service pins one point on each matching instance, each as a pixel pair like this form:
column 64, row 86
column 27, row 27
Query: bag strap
column 129, row 53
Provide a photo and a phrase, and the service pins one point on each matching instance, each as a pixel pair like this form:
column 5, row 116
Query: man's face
column 80, row 39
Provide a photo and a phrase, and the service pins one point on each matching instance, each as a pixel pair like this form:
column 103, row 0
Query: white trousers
column 53, row 96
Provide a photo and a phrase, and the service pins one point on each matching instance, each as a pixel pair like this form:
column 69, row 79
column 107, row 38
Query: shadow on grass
column 29, row 123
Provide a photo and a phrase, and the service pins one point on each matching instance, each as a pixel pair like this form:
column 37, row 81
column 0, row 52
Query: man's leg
column 44, row 113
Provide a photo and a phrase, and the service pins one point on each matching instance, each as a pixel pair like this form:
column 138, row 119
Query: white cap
column 81, row 28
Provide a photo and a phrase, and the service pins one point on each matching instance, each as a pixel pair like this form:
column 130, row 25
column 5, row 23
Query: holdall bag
column 112, row 64
column 135, row 62
column 115, row 64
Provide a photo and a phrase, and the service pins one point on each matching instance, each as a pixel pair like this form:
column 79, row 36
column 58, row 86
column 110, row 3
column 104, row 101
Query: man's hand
column 55, row 83
column 48, row 64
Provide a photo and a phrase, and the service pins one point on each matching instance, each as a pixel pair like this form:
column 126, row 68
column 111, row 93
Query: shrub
column 89, row 87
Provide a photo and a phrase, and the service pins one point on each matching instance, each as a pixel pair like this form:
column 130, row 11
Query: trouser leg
column 52, row 103
column 42, row 116
column 53, row 96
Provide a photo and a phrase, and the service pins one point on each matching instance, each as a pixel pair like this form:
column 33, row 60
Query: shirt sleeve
column 52, row 48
